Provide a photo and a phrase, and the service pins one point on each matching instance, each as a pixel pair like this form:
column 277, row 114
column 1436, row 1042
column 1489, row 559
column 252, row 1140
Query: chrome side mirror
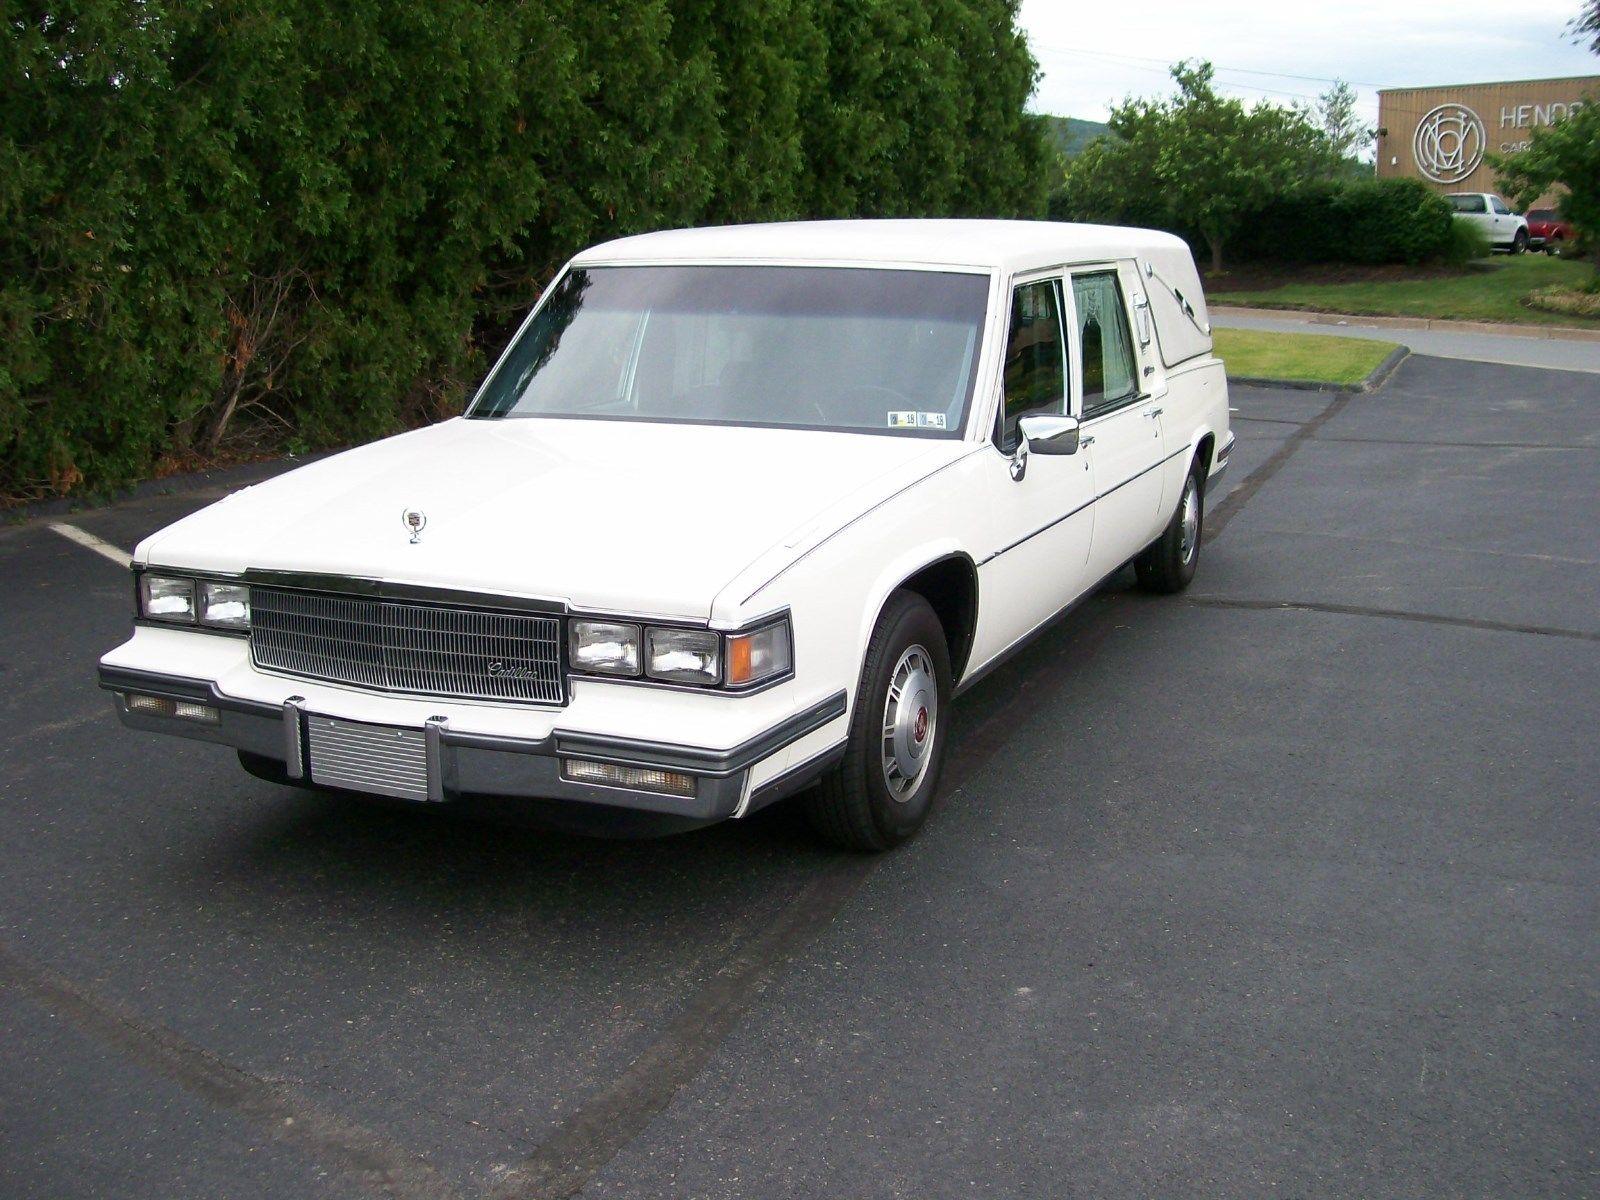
column 1050, row 435
column 1043, row 435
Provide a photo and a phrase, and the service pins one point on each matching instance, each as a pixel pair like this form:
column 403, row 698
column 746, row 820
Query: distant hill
column 1069, row 135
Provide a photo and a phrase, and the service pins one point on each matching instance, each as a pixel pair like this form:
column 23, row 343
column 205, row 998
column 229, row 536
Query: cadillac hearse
column 734, row 518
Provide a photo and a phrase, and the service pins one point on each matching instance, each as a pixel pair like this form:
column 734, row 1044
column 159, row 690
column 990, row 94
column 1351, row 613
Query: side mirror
column 1043, row 435
column 1050, row 435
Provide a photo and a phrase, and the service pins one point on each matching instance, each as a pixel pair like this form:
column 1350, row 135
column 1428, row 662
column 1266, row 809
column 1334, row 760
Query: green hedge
column 1364, row 221
column 305, row 224
column 1369, row 221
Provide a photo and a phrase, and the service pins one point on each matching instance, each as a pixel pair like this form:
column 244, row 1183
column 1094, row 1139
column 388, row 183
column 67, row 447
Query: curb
column 222, row 479
column 1312, row 316
column 1375, row 378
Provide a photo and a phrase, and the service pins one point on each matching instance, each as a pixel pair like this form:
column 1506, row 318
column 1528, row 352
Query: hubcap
column 910, row 722
column 1189, row 522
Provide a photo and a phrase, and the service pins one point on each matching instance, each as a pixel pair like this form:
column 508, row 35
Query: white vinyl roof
column 985, row 245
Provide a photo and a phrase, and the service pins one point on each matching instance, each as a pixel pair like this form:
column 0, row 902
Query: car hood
column 608, row 516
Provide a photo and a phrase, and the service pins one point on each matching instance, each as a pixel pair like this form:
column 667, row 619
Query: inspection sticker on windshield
column 916, row 420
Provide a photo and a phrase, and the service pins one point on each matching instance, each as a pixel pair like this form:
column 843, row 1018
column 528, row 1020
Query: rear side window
column 1036, row 361
column 1466, row 204
column 1109, row 377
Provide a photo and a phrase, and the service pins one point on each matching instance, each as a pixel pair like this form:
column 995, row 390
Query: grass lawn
column 1302, row 357
column 1488, row 291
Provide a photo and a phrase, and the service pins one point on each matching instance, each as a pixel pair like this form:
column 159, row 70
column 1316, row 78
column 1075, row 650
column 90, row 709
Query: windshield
column 1541, row 214
column 837, row 348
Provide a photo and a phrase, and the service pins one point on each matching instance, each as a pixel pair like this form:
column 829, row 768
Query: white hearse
column 738, row 512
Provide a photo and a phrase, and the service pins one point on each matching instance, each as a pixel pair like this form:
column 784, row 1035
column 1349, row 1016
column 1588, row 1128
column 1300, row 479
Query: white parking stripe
column 89, row 542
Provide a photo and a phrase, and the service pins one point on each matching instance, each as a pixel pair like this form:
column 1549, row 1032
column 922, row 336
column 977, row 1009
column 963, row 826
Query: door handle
column 1086, row 441
column 1152, row 413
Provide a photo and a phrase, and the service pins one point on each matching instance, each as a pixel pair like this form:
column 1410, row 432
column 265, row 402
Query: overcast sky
column 1092, row 55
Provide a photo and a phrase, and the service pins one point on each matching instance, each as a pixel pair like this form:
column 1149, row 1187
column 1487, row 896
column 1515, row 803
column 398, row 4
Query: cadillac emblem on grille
column 416, row 521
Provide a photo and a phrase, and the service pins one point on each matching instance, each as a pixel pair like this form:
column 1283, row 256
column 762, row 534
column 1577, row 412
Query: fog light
column 643, row 779
column 161, row 706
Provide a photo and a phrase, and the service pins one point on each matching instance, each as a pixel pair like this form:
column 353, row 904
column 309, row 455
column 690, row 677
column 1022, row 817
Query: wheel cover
column 910, row 722
column 1189, row 521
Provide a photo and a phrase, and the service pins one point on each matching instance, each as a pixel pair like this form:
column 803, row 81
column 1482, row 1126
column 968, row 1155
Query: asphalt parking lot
column 1287, row 886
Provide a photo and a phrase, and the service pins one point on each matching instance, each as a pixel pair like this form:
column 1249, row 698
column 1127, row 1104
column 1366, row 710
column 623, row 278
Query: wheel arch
column 950, row 586
column 947, row 578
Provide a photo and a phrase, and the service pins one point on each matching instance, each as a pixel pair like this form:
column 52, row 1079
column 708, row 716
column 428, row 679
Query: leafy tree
column 1587, row 24
column 1198, row 160
column 251, row 223
column 1347, row 137
column 1565, row 154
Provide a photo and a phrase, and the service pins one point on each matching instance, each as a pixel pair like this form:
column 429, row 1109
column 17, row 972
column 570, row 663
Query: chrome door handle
column 1152, row 412
column 1086, row 441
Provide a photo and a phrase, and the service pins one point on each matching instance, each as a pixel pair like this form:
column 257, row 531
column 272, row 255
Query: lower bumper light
column 642, row 779
column 162, row 706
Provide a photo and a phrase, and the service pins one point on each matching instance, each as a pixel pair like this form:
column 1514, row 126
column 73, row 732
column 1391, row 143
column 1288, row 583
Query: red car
column 1546, row 230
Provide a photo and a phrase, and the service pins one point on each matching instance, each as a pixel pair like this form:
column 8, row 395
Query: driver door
column 1042, row 520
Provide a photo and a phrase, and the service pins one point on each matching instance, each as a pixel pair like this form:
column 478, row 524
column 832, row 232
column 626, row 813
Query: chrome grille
column 368, row 758
column 422, row 648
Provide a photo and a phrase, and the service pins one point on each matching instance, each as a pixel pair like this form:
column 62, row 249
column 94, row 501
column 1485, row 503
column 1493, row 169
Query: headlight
column 604, row 647
column 735, row 662
column 684, row 655
column 224, row 605
column 167, row 598
column 759, row 655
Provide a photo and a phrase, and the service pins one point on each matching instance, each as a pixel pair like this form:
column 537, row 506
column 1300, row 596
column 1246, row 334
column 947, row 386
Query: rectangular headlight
column 224, row 605
column 604, row 647
column 166, row 598
column 760, row 654
column 683, row 655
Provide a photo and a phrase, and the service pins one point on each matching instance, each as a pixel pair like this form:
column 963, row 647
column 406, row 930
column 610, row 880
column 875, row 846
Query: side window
column 1110, row 377
column 1035, row 368
column 1500, row 207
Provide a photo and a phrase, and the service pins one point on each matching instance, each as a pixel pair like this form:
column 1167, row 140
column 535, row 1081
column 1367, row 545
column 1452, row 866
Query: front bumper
column 460, row 763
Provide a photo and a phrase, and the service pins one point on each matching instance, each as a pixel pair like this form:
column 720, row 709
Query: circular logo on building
column 1449, row 143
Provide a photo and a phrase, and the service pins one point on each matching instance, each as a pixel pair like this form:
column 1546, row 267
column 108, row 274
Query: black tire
column 858, row 805
column 1168, row 563
column 1519, row 241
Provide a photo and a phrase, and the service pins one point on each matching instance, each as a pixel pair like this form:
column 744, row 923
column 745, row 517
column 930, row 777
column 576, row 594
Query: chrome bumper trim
column 461, row 764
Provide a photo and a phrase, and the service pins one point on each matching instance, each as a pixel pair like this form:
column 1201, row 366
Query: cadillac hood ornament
column 416, row 521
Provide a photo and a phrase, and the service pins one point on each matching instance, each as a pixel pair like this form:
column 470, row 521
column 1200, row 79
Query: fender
column 904, row 567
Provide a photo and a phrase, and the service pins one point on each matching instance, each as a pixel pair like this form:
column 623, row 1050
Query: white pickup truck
column 1504, row 228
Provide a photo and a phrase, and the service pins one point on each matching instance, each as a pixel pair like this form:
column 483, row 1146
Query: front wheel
column 1168, row 563
column 884, row 789
column 1519, row 241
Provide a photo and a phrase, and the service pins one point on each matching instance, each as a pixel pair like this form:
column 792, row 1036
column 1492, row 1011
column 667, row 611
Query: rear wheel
column 884, row 789
column 1168, row 563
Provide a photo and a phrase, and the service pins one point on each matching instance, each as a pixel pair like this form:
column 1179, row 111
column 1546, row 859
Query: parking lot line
column 89, row 542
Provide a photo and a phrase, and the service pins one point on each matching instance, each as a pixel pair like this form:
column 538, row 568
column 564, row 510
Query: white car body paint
column 721, row 525
column 1492, row 215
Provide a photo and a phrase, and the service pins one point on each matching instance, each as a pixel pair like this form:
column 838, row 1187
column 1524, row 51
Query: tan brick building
column 1443, row 135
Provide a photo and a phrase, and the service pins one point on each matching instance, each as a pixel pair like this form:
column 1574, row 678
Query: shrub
column 320, row 220
column 1467, row 242
column 1371, row 222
